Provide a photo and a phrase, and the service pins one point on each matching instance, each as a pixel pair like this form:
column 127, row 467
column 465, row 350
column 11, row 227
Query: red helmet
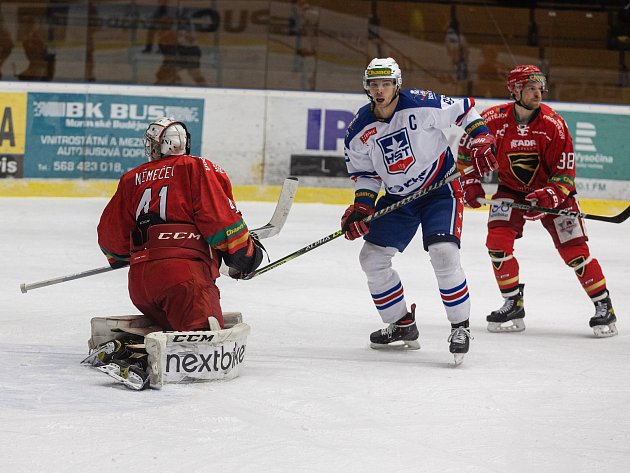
column 521, row 75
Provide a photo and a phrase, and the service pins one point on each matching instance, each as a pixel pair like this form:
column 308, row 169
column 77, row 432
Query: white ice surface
column 312, row 396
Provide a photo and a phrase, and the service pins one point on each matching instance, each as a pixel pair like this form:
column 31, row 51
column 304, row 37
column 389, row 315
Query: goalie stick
column 280, row 214
column 273, row 227
column 621, row 217
column 380, row 213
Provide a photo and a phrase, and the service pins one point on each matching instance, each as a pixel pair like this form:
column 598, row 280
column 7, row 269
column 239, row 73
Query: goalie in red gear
column 536, row 166
column 172, row 219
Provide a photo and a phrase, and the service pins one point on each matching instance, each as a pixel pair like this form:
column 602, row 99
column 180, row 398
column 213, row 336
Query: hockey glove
column 472, row 190
column 352, row 222
column 243, row 263
column 482, row 153
column 116, row 264
column 546, row 197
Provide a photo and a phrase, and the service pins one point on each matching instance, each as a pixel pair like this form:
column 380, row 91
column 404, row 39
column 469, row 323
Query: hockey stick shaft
column 380, row 213
column 621, row 217
column 49, row 282
column 279, row 217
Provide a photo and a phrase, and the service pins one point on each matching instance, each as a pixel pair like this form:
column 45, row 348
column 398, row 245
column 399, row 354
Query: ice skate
column 112, row 350
column 131, row 373
column 512, row 312
column 459, row 340
column 402, row 334
column 603, row 322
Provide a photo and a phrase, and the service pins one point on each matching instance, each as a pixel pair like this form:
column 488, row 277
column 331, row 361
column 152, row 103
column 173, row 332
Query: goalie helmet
column 166, row 137
column 521, row 75
column 382, row 68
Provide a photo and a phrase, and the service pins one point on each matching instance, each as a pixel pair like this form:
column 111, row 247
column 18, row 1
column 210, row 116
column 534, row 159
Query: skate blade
column 135, row 383
column 92, row 357
column 516, row 325
column 605, row 331
column 458, row 358
column 405, row 345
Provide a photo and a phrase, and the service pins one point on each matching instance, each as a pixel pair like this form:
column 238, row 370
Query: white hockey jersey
column 408, row 151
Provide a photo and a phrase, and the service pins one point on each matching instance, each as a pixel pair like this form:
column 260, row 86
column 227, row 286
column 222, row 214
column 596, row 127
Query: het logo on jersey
column 397, row 153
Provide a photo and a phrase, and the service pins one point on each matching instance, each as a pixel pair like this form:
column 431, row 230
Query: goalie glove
column 482, row 153
column 248, row 261
column 352, row 223
column 546, row 197
column 472, row 190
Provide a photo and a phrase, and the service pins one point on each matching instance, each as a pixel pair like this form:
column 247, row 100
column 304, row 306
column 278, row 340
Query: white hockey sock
column 451, row 280
column 383, row 281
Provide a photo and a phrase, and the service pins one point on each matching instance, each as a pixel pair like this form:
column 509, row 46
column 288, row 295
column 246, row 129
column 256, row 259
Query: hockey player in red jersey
column 172, row 219
column 536, row 166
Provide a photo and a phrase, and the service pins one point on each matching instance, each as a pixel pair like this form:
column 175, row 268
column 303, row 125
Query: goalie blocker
column 180, row 357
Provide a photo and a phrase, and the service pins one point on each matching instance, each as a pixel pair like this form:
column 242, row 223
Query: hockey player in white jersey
column 396, row 142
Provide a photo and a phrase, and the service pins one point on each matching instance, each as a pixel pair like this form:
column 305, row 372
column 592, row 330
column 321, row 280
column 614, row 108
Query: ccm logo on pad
column 179, row 236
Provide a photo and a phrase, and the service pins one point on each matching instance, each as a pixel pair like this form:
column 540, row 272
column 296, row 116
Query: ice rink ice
column 312, row 395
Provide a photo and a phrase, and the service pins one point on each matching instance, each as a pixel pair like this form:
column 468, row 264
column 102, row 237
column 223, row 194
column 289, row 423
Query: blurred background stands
column 453, row 47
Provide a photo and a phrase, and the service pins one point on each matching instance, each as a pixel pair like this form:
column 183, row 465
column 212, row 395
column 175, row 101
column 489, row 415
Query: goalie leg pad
column 188, row 357
column 116, row 327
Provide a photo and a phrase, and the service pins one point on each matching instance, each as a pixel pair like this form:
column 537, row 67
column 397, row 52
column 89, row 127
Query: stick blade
column 623, row 216
column 283, row 207
column 619, row 218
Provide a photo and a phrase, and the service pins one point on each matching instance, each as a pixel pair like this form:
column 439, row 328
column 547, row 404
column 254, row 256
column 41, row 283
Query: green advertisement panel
column 600, row 141
column 97, row 136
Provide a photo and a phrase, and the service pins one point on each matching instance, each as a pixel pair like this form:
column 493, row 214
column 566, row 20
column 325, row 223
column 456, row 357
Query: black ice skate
column 115, row 349
column 459, row 341
column 603, row 322
column 512, row 311
column 404, row 331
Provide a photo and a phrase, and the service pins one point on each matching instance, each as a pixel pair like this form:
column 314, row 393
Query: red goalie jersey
column 170, row 218
column 180, row 190
column 530, row 156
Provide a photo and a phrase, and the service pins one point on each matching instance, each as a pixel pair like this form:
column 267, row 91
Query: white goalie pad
column 189, row 357
column 104, row 329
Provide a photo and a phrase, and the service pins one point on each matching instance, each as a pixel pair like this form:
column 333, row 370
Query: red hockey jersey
column 180, row 189
column 530, row 156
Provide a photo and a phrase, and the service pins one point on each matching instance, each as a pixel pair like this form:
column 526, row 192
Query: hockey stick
column 279, row 217
column 621, row 217
column 49, row 282
column 280, row 214
column 380, row 213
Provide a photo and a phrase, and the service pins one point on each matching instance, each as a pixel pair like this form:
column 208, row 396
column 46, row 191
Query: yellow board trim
column 106, row 188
